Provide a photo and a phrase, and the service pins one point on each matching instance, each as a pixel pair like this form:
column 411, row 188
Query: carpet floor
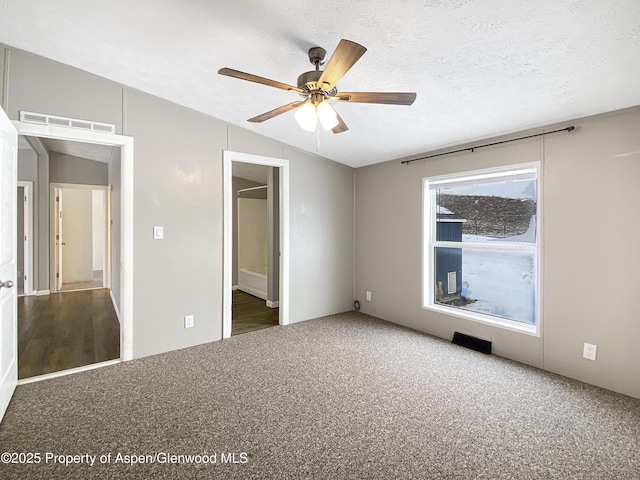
column 342, row 397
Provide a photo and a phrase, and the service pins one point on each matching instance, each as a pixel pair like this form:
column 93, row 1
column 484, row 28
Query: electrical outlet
column 188, row 321
column 158, row 233
column 589, row 351
column 369, row 296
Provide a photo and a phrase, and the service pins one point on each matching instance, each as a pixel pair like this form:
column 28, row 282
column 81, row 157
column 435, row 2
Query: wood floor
column 66, row 330
column 251, row 313
column 95, row 283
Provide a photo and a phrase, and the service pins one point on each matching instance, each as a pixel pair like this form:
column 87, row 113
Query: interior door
column 8, row 232
column 59, row 241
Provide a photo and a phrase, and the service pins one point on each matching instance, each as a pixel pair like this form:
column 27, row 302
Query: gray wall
column 589, row 261
column 65, row 168
column 27, row 165
column 178, row 184
column 321, row 240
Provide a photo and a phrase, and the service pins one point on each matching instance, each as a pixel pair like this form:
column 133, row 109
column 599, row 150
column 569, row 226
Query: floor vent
column 43, row 119
column 473, row 343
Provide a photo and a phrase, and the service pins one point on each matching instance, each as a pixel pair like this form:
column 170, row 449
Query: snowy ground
column 502, row 282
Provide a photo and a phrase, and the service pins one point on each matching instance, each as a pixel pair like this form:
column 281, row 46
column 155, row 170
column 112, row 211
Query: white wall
column 590, row 256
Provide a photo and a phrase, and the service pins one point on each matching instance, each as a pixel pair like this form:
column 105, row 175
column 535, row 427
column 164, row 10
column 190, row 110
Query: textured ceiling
column 480, row 68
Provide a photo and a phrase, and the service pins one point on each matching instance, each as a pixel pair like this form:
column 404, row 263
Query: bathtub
column 253, row 280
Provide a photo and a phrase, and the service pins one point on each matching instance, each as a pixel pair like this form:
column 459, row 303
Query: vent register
column 43, row 119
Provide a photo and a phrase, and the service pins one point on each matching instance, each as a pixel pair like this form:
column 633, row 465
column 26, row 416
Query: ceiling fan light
column 307, row 117
column 327, row 115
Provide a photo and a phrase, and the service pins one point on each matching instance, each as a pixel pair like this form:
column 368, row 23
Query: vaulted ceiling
column 479, row 67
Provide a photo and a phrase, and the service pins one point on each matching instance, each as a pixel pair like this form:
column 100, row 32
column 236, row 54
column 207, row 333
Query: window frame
column 429, row 242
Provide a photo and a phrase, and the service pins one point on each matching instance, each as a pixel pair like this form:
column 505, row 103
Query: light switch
column 158, row 233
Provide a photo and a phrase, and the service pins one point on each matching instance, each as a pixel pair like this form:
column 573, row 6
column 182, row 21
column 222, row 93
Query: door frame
column 227, row 284
column 52, row 240
column 126, row 212
column 28, row 261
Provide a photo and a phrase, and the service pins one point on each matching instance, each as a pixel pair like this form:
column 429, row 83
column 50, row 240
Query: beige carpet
column 344, row 397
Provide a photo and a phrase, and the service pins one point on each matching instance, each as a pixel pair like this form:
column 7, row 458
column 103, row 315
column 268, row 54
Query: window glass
column 500, row 283
column 488, row 212
column 482, row 244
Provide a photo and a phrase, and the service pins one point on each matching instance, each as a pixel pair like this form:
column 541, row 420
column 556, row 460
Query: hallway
column 66, row 330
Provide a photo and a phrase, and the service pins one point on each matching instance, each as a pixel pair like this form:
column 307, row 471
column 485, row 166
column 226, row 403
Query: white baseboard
column 271, row 304
column 115, row 306
column 235, row 287
column 253, row 291
column 41, row 293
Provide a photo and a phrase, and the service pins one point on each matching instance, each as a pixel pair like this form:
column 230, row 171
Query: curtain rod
column 471, row 149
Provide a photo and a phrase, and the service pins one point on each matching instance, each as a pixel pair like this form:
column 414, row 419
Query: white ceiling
column 480, row 67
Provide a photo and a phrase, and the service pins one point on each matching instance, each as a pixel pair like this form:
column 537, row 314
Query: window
column 481, row 246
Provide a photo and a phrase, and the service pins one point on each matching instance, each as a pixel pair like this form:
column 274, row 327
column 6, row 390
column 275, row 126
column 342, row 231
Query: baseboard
column 253, row 291
column 271, row 304
column 115, row 306
column 42, row 293
column 235, row 287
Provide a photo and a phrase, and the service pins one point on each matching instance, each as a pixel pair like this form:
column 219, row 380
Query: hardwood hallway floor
column 66, row 330
column 251, row 313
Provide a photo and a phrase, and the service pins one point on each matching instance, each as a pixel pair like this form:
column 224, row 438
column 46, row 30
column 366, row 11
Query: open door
column 8, row 274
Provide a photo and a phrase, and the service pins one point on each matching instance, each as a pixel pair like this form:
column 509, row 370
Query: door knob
column 7, row 284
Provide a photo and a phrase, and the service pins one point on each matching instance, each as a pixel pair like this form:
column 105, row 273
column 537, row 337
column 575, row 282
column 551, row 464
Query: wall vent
column 473, row 343
column 43, row 119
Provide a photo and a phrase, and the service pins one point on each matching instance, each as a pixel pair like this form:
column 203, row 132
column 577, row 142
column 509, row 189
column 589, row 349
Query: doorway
column 277, row 175
column 66, row 326
column 121, row 242
column 79, row 237
column 255, row 299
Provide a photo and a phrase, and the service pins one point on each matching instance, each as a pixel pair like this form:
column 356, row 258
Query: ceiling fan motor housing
column 309, row 80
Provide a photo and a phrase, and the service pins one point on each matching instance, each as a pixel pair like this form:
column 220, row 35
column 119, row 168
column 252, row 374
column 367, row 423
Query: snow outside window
column 481, row 246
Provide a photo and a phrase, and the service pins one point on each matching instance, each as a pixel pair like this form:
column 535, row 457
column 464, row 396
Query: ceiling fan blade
column 230, row 72
column 390, row 98
column 341, row 127
column 345, row 56
column 275, row 112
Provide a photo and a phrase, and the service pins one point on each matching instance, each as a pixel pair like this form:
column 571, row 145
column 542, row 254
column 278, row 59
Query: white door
column 59, row 241
column 8, row 232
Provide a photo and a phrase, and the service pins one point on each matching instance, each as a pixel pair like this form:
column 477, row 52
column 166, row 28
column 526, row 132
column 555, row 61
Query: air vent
column 33, row 118
column 63, row 122
column 42, row 119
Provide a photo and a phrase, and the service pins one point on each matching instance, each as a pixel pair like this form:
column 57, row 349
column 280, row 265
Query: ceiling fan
column 319, row 86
